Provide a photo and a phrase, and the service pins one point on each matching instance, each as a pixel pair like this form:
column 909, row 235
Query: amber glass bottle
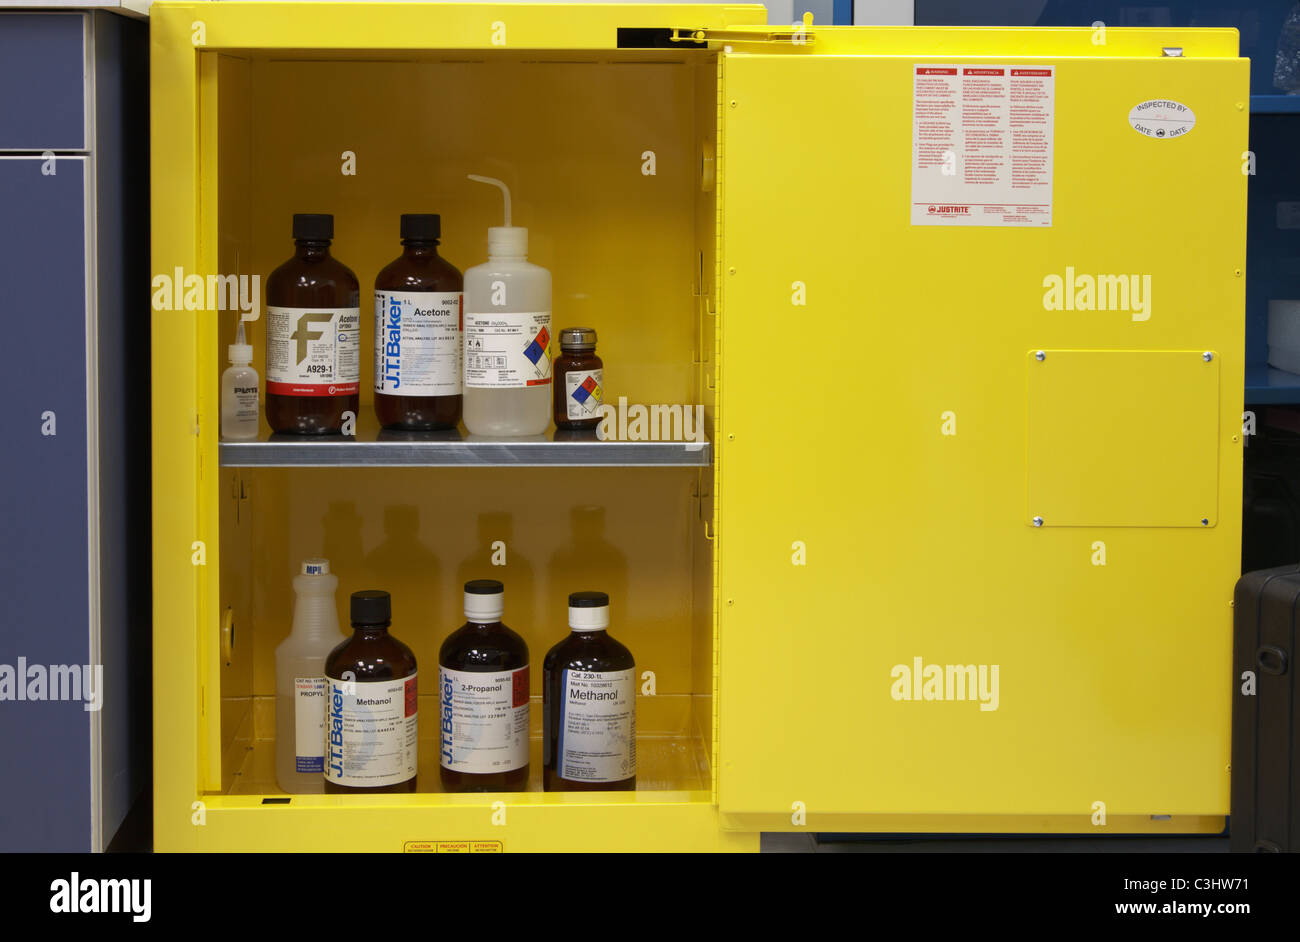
column 417, row 332
column 483, row 698
column 579, row 386
column 313, row 316
column 371, row 704
column 588, row 705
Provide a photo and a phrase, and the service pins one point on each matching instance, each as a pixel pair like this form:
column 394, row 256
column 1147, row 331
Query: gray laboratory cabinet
column 74, row 427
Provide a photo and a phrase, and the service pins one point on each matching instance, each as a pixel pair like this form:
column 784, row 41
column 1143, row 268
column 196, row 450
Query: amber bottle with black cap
column 418, row 332
column 313, row 349
column 589, row 705
column 371, row 705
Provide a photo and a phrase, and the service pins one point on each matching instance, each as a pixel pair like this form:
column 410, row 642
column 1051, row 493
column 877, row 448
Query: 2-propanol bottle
column 371, row 718
column 507, row 336
column 483, row 698
column 588, row 705
column 300, row 680
column 313, row 323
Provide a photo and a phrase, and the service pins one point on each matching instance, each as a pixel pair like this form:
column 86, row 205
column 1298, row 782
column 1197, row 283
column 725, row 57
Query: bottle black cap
column 313, row 227
column 588, row 599
column 484, row 587
column 421, row 227
column 372, row 607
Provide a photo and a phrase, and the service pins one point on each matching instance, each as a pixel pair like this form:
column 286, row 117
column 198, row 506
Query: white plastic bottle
column 300, row 680
column 239, row 408
column 507, row 336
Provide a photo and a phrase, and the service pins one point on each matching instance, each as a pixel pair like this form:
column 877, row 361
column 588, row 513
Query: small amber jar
column 579, row 380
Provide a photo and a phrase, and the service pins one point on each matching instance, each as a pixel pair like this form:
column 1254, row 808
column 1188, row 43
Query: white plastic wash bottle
column 507, row 336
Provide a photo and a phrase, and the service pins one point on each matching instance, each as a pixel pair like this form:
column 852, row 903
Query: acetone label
column 417, row 343
column 484, row 724
column 371, row 729
column 313, row 351
column 583, row 392
column 507, row 351
column 597, row 741
column 309, row 724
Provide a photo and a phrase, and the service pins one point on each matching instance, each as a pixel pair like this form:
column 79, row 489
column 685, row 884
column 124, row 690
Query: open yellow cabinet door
column 979, row 464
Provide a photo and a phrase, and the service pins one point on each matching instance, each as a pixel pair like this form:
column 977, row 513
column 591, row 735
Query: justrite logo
column 393, row 348
column 946, row 682
column 446, row 720
column 336, row 731
column 949, row 210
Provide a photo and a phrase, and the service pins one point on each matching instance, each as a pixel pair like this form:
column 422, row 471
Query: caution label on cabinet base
column 453, row 847
column 982, row 145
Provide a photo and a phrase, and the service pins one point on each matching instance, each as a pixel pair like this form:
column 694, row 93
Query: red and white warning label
column 982, row 145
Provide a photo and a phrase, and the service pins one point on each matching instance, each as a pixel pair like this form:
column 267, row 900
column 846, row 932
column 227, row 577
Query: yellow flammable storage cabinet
column 963, row 306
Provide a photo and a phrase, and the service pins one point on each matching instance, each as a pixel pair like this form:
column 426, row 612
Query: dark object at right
column 1265, row 722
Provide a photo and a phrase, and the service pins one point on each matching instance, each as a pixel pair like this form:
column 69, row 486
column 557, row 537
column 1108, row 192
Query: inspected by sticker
column 1161, row 119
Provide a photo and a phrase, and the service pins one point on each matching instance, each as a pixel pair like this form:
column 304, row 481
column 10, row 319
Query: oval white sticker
column 1160, row 118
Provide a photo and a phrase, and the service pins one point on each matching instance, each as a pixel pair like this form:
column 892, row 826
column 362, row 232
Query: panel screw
column 731, row 601
column 1207, row 356
column 1205, row 521
column 1040, row 356
column 731, row 271
column 733, row 102
column 1038, row 521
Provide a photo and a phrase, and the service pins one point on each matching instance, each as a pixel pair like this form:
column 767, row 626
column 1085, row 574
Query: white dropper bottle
column 239, row 409
column 300, row 680
column 507, row 335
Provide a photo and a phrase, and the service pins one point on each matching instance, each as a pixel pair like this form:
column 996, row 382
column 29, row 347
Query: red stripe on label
column 312, row 389
column 1031, row 71
column 412, row 696
column 538, row 382
column 923, row 71
column 984, row 71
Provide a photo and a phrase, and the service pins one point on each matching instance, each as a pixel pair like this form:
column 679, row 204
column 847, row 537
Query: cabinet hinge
column 793, row 35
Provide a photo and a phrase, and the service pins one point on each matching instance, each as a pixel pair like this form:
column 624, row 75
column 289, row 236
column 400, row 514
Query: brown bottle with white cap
column 483, row 698
column 589, row 705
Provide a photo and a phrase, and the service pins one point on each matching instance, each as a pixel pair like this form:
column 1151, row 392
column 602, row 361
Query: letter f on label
column 304, row 332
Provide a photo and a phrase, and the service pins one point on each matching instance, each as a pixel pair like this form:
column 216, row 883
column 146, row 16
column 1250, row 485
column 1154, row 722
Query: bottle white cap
column 507, row 242
column 485, row 600
column 241, row 353
column 588, row 611
column 315, row 566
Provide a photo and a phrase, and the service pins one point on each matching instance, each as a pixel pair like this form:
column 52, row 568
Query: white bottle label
column 371, row 728
column 597, row 741
column 507, row 351
column 417, row 343
column 484, row 720
column 313, row 351
column 583, row 392
column 309, row 724
column 246, row 406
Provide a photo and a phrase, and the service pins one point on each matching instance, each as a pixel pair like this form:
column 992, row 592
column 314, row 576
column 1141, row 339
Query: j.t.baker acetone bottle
column 371, row 703
column 507, row 336
column 313, row 351
column 417, row 332
column 483, row 698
